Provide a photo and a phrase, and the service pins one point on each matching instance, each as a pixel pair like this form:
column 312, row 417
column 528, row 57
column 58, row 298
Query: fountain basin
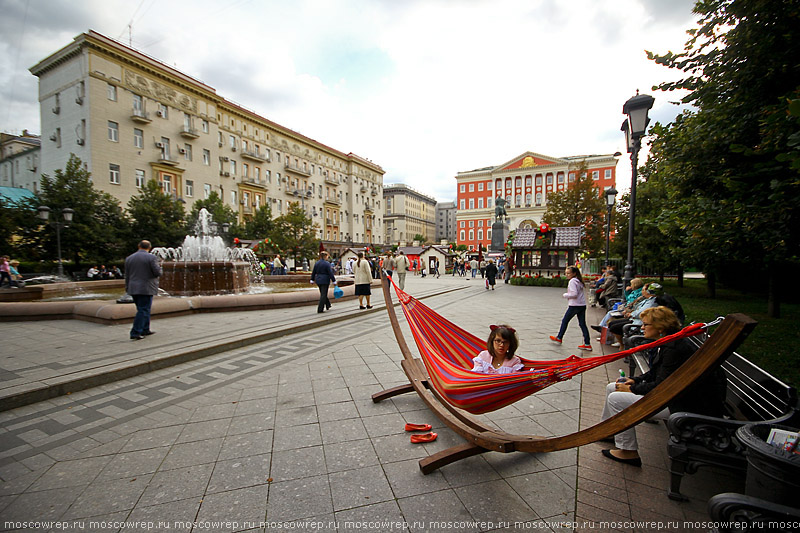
column 204, row 278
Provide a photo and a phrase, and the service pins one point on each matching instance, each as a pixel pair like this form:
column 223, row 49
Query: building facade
column 524, row 182
column 20, row 157
column 131, row 118
column 408, row 213
column 446, row 221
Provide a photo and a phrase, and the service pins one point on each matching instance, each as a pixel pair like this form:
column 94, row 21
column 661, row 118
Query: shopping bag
column 337, row 292
column 604, row 335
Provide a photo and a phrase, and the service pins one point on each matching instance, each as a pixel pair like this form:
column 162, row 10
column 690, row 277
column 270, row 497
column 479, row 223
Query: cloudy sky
column 424, row 88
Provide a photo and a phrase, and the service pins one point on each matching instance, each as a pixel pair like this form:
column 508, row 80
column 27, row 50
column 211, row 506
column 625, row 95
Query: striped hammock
column 447, row 351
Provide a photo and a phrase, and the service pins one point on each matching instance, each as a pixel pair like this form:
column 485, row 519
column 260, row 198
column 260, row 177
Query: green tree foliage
column 157, row 217
column 220, row 212
column 579, row 205
column 295, row 234
column 727, row 167
column 15, row 222
column 259, row 226
column 99, row 228
column 419, row 237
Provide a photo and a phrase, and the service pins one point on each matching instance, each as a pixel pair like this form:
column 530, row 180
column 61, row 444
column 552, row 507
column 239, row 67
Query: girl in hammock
column 498, row 357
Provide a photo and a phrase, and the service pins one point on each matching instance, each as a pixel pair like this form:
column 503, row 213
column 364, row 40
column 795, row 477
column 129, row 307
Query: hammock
column 447, row 352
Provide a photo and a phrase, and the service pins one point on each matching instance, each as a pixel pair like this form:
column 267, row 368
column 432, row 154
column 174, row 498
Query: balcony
column 140, row 116
column 255, row 156
column 330, row 180
column 247, row 210
column 374, row 192
column 189, row 133
column 296, row 169
column 332, row 200
column 256, row 183
column 167, row 159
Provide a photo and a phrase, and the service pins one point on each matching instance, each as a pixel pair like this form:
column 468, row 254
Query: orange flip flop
column 425, row 437
column 418, row 427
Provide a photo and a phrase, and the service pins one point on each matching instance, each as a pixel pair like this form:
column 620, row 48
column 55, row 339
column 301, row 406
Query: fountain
column 204, row 265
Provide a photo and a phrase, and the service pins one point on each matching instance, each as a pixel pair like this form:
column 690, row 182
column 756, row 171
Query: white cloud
column 424, row 88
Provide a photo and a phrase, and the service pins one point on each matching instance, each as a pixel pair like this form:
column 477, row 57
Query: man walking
column 142, row 271
column 390, row 264
column 401, row 266
column 323, row 276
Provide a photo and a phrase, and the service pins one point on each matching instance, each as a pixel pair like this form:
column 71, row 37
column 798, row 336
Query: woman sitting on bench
column 705, row 396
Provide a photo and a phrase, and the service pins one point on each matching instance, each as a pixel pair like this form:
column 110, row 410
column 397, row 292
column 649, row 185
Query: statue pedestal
column 499, row 236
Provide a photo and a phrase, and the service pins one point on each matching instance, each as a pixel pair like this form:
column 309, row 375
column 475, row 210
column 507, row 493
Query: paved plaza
column 268, row 425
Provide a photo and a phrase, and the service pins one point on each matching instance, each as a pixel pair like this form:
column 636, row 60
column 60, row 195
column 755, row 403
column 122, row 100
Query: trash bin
column 772, row 473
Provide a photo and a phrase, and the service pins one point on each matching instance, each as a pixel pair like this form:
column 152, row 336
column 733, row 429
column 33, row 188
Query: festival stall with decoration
column 443, row 253
column 543, row 251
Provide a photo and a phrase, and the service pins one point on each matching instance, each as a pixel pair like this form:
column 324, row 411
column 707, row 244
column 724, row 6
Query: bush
column 539, row 281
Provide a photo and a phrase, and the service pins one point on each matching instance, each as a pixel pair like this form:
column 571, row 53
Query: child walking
column 576, row 306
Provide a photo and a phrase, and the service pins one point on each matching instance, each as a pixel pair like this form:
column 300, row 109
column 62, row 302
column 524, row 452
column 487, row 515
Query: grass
column 774, row 345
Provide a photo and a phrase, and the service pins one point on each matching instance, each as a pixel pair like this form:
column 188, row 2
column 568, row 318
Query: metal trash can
column 773, row 474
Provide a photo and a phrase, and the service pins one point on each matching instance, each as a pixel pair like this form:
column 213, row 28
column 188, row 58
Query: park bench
column 753, row 395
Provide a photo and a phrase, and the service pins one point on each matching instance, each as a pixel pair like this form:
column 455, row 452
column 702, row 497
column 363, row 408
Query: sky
column 423, row 88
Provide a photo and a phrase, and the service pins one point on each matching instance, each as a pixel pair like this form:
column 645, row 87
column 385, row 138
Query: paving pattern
column 283, row 436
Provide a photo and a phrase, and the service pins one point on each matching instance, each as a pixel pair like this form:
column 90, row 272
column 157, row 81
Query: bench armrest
column 715, row 434
column 736, row 512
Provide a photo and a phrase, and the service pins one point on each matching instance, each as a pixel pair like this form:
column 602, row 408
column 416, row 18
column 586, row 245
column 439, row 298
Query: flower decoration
column 544, row 228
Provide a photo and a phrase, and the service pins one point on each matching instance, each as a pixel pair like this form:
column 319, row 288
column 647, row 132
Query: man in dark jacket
column 323, row 276
column 142, row 271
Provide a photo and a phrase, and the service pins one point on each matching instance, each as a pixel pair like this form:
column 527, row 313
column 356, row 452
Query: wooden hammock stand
column 481, row 438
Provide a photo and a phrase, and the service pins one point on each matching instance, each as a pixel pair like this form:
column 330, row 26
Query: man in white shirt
column 401, row 267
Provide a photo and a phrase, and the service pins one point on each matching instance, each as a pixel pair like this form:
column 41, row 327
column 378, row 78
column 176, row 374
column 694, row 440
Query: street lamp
column 66, row 214
column 611, row 198
column 634, row 127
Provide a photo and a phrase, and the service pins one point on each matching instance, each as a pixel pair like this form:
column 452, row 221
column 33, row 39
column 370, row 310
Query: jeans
column 141, row 322
column 573, row 310
column 323, row 298
column 616, row 401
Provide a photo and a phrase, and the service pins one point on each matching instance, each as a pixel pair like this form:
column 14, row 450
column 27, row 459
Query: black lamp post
column 66, row 214
column 611, row 198
column 634, row 127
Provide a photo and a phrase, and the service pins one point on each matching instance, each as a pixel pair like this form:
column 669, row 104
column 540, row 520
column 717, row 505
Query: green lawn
column 775, row 343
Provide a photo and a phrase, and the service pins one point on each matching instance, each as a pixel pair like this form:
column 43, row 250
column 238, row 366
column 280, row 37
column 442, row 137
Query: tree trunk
column 661, row 277
column 680, row 276
column 773, row 296
column 711, row 280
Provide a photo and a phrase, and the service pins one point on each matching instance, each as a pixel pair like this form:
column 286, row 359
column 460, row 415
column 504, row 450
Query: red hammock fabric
column 447, row 351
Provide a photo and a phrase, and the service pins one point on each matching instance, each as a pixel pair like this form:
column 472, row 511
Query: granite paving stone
column 362, row 486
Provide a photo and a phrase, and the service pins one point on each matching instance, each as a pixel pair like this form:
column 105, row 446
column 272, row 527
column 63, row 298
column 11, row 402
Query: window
column 528, row 200
column 571, row 177
column 488, row 185
column 189, row 188
column 539, row 180
column 608, row 174
column 472, row 203
column 471, row 187
column 461, row 235
column 471, row 223
column 480, row 186
column 462, row 204
column 462, row 188
column 561, row 178
column 166, row 184
column 113, row 131
column 233, row 167
column 232, row 141
column 595, row 174
column 139, row 178
column 471, row 235
column 234, row 197
column 461, row 224
column 268, row 176
column 113, row 173
column 206, row 190
column 480, row 223
column 538, row 198
column 498, row 185
column 187, row 152
column 204, row 125
column 138, row 138
column 112, row 92
column 257, row 176
column 138, row 104
column 528, row 181
column 517, row 200
column 163, row 111
column 518, row 183
column 245, row 170
column 480, row 203
column 480, row 234
column 58, row 137
column 206, row 157
column 164, row 148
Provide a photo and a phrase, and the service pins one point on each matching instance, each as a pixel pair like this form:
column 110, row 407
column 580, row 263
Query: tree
column 579, row 205
column 157, row 216
column 220, row 212
column 99, row 228
column 728, row 165
column 260, row 225
column 295, row 233
column 419, row 237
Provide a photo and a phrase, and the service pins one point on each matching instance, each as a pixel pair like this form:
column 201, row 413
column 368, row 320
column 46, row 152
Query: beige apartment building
column 131, row 118
column 408, row 213
column 19, row 161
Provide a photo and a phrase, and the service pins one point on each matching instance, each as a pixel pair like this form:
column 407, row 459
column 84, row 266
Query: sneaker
column 585, row 347
column 555, row 339
column 615, row 344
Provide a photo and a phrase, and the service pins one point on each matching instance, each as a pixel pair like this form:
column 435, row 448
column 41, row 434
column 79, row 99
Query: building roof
column 14, row 195
column 566, row 237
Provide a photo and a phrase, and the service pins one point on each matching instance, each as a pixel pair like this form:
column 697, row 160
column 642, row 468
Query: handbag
column 337, row 292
